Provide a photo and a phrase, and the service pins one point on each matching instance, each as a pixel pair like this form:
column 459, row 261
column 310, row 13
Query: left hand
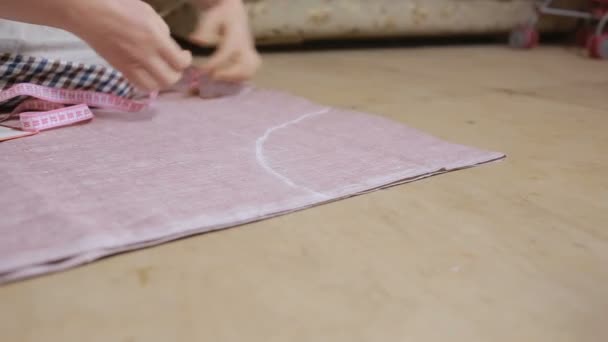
column 225, row 24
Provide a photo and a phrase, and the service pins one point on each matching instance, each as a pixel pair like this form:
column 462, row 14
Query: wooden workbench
column 513, row 251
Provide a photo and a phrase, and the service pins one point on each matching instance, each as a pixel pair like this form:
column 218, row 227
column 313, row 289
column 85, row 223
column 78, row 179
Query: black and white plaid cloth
column 16, row 69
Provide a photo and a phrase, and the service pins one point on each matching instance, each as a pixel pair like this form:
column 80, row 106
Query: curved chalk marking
column 261, row 158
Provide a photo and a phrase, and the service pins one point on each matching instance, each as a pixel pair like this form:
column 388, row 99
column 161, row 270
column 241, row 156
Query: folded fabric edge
column 89, row 257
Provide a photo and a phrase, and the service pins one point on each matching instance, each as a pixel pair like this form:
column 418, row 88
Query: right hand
column 132, row 37
column 225, row 23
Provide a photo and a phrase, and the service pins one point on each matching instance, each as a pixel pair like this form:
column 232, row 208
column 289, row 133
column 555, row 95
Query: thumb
column 208, row 31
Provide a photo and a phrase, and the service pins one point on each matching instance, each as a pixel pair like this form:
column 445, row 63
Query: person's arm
column 38, row 12
column 129, row 34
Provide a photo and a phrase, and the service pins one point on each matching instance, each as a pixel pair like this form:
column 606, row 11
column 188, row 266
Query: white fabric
column 47, row 42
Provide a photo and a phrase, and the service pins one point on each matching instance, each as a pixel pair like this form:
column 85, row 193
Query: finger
column 175, row 56
column 155, row 19
column 141, row 79
column 242, row 69
column 235, row 73
column 223, row 57
column 208, row 30
column 164, row 75
column 164, row 26
column 254, row 62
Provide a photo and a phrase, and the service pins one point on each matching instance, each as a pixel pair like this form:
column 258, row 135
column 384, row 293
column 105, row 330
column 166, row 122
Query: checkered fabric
column 16, row 69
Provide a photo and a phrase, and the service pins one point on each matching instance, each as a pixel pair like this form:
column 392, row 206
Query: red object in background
column 598, row 46
column 599, row 8
column 592, row 35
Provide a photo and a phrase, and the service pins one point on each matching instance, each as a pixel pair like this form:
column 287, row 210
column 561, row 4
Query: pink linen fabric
column 188, row 166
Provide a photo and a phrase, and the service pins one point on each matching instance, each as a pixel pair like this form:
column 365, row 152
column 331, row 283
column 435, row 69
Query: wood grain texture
column 515, row 251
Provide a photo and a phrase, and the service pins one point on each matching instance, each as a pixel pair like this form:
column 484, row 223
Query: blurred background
column 280, row 21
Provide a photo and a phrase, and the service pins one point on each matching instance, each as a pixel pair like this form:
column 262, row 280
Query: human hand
column 225, row 23
column 132, row 37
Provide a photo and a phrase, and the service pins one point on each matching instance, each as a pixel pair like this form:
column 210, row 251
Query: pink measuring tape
column 51, row 107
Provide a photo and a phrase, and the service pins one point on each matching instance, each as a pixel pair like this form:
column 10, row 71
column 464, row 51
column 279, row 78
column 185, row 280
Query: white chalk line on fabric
column 261, row 158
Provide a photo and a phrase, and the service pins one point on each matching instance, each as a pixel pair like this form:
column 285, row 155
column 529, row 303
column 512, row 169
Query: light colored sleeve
column 46, row 42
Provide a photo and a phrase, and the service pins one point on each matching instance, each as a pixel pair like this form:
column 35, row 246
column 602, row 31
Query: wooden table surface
column 513, row 251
